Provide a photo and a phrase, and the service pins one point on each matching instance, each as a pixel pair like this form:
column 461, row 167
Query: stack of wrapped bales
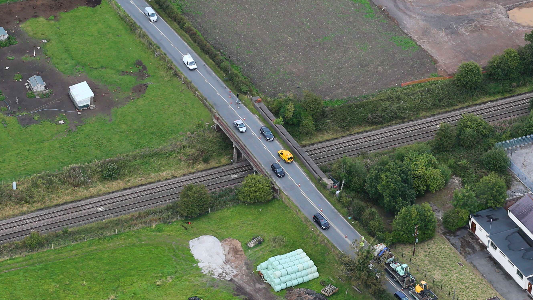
column 283, row 271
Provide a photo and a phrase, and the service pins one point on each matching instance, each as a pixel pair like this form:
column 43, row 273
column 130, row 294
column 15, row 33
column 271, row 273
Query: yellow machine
column 286, row 156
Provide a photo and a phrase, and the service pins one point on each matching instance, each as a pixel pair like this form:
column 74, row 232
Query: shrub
column 194, row 201
column 415, row 215
column 526, row 55
column 255, row 189
column 444, row 138
column 496, row 160
column 468, row 76
column 491, row 191
column 465, row 198
column 352, row 171
column 17, row 77
column 357, row 208
column 455, row 219
column 473, row 131
column 372, row 222
column 110, row 171
column 34, row 241
column 506, row 66
column 30, row 94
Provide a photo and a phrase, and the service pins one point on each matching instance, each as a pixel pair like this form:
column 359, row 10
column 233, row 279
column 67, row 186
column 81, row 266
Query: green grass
column 103, row 50
column 132, row 264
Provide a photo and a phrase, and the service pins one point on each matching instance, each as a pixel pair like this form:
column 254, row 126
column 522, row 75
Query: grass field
column 438, row 263
column 131, row 265
column 335, row 49
column 96, row 42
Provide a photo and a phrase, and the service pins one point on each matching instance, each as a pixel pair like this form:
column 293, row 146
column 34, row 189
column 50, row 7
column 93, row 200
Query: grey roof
column 508, row 237
column 36, row 80
column 2, row 31
column 523, row 211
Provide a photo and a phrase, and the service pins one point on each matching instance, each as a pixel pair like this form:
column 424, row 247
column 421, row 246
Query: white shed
column 37, row 84
column 81, row 95
column 3, row 34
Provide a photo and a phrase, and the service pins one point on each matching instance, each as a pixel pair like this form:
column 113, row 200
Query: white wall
column 480, row 232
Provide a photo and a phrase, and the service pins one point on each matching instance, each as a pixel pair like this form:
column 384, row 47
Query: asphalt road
column 295, row 184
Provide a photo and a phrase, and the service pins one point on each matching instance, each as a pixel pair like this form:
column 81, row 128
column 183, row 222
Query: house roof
column 523, row 211
column 508, row 237
column 2, row 31
column 81, row 91
column 36, row 80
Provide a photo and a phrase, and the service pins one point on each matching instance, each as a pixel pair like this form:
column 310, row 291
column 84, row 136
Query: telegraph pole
column 416, row 239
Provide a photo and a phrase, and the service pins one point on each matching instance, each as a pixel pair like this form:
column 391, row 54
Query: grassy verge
column 448, row 271
column 165, row 111
column 156, row 262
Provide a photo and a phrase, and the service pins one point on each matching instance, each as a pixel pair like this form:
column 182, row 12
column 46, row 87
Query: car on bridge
column 278, row 170
column 321, row 221
column 239, row 124
column 150, row 14
column 286, row 156
column 265, row 131
column 189, row 62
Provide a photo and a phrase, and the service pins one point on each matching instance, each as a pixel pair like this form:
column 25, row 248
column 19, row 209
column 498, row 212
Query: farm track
column 414, row 131
column 119, row 203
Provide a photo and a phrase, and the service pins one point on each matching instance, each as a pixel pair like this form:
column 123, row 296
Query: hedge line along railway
column 119, row 203
column 415, row 131
column 162, row 193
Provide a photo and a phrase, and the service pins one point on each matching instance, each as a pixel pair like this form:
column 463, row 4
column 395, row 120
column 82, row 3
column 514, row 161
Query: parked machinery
column 421, row 292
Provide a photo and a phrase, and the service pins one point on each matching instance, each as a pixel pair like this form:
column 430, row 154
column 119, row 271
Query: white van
column 189, row 62
column 150, row 14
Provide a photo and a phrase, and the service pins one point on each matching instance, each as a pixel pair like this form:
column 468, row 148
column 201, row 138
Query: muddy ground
column 456, row 31
column 19, row 59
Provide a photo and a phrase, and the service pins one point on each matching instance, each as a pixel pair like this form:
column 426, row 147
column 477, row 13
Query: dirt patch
column 523, row 15
column 335, row 49
column 20, row 59
column 304, row 294
column 456, row 31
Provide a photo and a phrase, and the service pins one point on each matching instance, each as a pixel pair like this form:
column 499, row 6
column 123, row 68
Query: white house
column 508, row 236
column 3, row 34
column 81, row 95
column 36, row 83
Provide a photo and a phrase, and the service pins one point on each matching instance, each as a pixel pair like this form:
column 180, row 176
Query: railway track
column 119, row 203
column 415, row 131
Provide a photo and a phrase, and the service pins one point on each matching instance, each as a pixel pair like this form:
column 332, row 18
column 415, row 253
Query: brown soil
column 304, row 294
column 33, row 110
column 247, row 283
column 456, row 31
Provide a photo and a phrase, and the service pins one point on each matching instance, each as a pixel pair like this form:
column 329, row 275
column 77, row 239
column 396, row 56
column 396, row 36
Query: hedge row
column 239, row 81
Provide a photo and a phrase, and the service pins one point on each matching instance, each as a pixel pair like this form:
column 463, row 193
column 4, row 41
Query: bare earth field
column 456, row 31
column 335, row 49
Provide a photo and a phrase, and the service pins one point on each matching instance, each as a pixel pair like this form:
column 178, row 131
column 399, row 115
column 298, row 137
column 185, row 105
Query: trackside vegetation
column 165, row 111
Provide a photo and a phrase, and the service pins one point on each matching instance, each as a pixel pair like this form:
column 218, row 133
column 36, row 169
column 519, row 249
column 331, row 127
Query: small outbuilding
column 81, row 95
column 3, row 34
column 37, row 84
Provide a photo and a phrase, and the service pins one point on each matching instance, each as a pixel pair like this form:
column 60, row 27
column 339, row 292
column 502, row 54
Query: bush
column 455, row 219
column 405, row 221
column 372, row 222
column 506, row 66
column 352, row 171
column 110, row 171
column 468, row 76
column 11, row 40
column 255, row 189
column 491, row 191
column 473, row 131
column 194, row 200
column 34, row 241
column 496, row 160
column 357, row 209
column 444, row 138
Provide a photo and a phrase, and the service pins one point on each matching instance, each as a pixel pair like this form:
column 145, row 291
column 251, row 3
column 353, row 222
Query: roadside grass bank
column 445, row 270
column 156, row 262
column 186, row 154
column 166, row 110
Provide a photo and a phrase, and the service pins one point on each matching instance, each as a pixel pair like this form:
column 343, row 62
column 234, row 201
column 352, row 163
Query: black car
column 278, row 170
column 321, row 221
column 269, row 136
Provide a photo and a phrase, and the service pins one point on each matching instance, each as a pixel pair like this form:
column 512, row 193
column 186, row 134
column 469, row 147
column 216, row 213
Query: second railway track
column 119, row 203
column 415, row 131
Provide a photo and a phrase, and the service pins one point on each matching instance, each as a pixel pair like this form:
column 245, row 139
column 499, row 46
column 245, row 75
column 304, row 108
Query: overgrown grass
column 156, row 262
column 437, row 262
column 165, row 111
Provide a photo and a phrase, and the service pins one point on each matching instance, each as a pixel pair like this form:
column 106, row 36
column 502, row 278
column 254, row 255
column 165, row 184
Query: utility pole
column 416, row 239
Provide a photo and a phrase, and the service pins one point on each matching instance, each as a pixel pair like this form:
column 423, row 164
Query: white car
column 189, row 62
column 150, row 14
column 239, row 124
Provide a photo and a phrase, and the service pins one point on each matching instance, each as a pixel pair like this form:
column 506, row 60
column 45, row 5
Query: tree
column 455, row 219
column 194, row 200
column 473, row 131
column 424, row 170
column 353, row 172
column 255, row 189
column 506, row 66
column 526, row 54
column 307, row 126
column 468, row 76
column 465, row 198
column 491, row 191
column 314, row 106
column 496, row 160
column 421, row 215
column 372, row 221
column 444, row 138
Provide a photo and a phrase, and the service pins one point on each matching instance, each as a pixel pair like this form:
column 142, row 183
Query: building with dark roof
column 508, row 236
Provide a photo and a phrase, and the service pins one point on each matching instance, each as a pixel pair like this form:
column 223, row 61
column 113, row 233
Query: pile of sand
column 208, row 251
